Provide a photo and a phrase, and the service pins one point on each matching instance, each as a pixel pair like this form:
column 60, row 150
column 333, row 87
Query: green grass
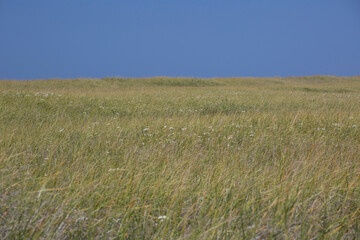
column 234, row 158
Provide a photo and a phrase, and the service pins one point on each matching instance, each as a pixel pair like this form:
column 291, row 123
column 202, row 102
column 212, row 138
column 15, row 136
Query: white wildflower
column 82, row 218
column 162, row 218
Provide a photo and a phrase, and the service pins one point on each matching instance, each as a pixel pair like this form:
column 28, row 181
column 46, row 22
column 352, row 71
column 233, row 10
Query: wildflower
column 162, row 218
column 82, row 218
column 146, row 129
column 183, row 129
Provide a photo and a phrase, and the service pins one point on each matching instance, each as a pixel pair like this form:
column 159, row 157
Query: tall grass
column 169, row 158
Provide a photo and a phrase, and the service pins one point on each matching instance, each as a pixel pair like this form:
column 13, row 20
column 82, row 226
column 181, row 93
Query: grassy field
column 171, row 158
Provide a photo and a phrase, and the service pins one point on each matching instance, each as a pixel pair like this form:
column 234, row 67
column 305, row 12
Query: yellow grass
column 172, row 158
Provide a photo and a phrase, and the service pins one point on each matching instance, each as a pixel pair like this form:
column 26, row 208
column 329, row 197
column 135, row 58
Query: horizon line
column 187, row 77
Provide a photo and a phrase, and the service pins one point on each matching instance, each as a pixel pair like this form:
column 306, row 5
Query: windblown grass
column 169, row 158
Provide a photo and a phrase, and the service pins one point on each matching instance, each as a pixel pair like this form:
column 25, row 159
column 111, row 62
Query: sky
column 43, row 39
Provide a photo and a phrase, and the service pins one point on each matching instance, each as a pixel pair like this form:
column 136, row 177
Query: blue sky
column 185, row 38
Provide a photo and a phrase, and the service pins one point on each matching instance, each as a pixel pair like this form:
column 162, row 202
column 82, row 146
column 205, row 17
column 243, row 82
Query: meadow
column 180, row 158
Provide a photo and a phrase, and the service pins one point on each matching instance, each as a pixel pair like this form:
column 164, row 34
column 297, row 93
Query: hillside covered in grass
column 173, row 158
